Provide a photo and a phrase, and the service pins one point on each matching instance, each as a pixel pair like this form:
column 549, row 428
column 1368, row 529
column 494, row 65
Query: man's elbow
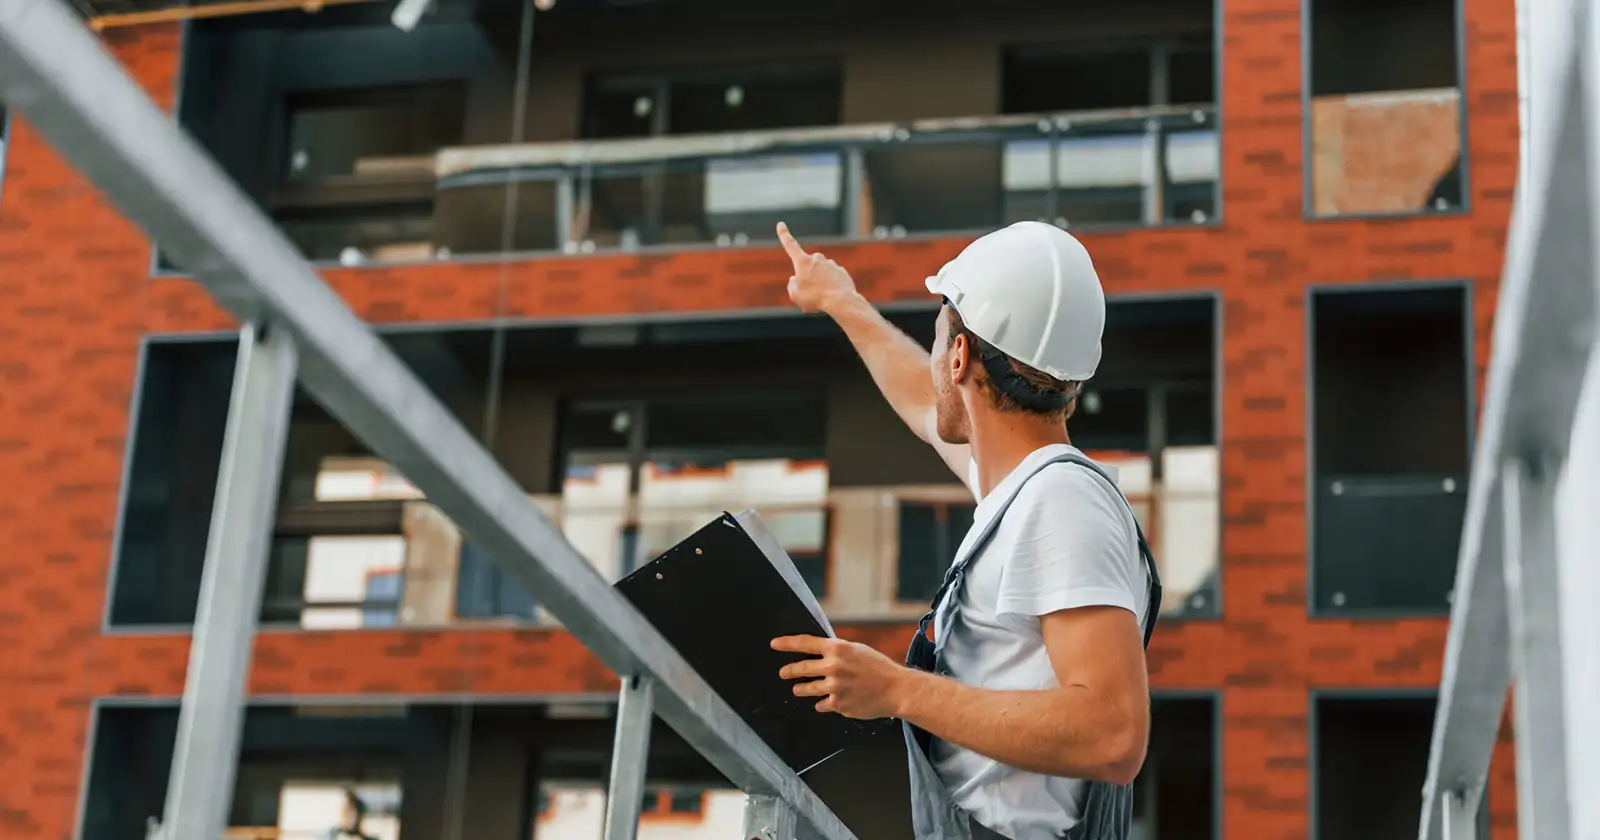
column 1122, row 754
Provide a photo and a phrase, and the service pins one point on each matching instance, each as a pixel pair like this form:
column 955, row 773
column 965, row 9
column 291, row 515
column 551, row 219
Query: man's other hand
column 818, row 283
column 852, row 679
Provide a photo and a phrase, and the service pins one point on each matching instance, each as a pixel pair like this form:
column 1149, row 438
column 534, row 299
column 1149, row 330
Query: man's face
column 950, row 411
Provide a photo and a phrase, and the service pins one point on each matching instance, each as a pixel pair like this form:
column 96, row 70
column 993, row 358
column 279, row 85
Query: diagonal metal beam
column 1543, row 338
column 53, row 70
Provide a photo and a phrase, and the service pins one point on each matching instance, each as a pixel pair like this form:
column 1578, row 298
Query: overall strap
column 1145, row 555
column 957, row 569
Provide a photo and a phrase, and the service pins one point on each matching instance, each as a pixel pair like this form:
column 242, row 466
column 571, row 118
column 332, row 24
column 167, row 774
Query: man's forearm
column 1057, row 732
column 898, row 364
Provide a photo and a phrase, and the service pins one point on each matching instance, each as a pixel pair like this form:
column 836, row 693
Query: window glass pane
column 1036, row 82
column 1371, row 757
column 352, row 132
column 764, row 420
column 930, row 533
column 1390, row 448
column 614, row 110
column 595, row 515
column 172, row 480
column 687, row 801
column 1111, row 419
column 1191, row 77
column 1191, row 417
column 678, row 498
column 599, row 427
column 754, row 101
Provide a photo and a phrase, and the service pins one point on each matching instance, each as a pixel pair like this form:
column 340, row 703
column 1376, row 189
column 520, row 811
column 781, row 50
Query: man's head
column 962, row 361
column 1019, row 330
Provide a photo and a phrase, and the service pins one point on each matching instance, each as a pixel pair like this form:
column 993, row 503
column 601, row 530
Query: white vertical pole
column 206, row 754
column 1578, row 529
column 1533, row 593
column 635, row 710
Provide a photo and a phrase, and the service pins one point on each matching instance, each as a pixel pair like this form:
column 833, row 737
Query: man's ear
column 960, row 358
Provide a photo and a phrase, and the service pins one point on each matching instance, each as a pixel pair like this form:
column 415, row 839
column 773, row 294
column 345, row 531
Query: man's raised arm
column 898, row 364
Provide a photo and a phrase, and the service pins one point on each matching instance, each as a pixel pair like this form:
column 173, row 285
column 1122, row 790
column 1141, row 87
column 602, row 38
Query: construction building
column 560, row 215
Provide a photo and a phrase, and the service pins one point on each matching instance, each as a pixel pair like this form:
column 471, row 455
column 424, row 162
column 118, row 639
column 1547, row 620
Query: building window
column 1369, row 759
column 1390, row 413
column 1385, row 130
column 1095, row 169
column 1175, row 794
column 669, row 803
column 5, row 137
column 930, row 533
column 176, row 433
column 641, row 475
column 302, row 773
column 729, row 199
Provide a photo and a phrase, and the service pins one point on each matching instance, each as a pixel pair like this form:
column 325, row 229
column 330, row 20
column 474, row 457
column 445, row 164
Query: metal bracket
column 768, row 818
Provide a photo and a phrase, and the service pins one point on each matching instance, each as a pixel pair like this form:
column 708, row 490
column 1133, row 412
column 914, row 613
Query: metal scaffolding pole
column 212, row 714
column 56, row 73
column 635, row 708
column 1504, row 623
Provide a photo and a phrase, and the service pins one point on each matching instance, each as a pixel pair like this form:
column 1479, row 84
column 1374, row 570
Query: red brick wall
column 77, row 297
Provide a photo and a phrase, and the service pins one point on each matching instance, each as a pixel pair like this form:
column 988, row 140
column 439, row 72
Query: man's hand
column 818, row 283
column 852, row 679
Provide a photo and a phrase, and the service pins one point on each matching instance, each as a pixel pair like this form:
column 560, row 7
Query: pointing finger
column 790, row 245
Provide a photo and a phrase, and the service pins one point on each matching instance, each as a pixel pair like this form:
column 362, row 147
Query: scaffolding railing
column 55, row 71
column 1524, row 610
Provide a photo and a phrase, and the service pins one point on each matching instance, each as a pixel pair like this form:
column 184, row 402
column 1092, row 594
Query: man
column 1027, row 715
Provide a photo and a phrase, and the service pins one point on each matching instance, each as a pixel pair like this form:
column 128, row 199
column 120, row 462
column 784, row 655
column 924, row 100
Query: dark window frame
column 1314, row 746
column 1469, row 419
column 1463, row 167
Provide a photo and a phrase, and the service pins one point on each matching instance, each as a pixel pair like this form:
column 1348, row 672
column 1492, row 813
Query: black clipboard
column 719, row 597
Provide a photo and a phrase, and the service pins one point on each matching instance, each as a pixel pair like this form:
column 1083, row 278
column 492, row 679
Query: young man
column 1027, row 715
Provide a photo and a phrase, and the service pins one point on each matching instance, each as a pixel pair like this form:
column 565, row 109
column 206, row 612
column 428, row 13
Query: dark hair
column 1014, row 386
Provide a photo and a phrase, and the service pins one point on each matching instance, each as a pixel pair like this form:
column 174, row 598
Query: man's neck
column 1001, row 441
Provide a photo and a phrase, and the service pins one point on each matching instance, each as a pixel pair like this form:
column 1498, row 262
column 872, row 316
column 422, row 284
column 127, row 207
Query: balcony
column 621, row 127
column 509, row 769
column 631, row 448
column 1121, row 168
column 373, row 553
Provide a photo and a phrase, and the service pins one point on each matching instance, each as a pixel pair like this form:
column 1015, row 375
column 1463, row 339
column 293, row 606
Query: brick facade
column 78, row 295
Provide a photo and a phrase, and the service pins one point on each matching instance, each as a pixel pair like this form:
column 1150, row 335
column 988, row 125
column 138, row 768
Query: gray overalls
column 1107, row 809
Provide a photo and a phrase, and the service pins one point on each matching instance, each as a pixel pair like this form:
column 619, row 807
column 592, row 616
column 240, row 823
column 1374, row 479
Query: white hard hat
column 1031, row 291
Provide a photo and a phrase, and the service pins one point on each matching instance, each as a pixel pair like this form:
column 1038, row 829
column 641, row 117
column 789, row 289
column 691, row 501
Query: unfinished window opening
column 1147, row 102
column 1175, row 794
column 727, row 200
column 1386, row 107
column 641, row 475
column 171, row 484
column 1390, row 448
column 930, row 532
column 1370, row 757
column 302, row 773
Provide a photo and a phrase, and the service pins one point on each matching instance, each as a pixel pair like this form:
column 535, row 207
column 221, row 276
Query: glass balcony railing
column 1387, row 543
column 1138, row 167
column 371, row 552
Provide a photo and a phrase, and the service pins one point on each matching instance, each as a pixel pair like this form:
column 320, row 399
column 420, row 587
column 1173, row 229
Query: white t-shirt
column 1067, row 541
